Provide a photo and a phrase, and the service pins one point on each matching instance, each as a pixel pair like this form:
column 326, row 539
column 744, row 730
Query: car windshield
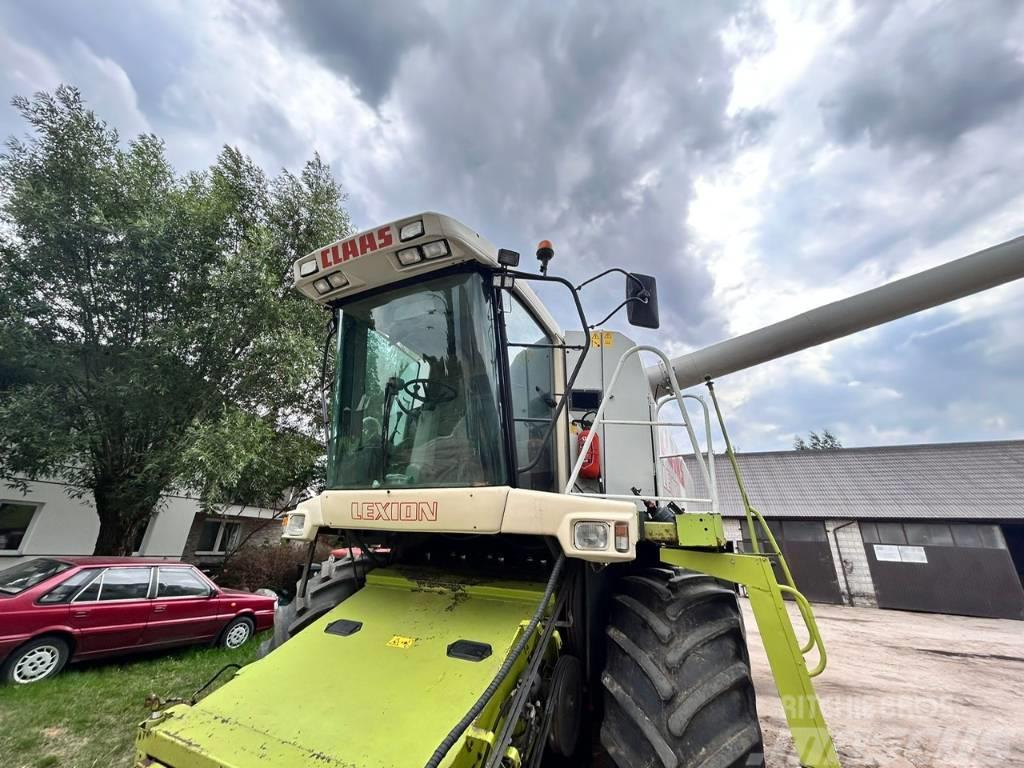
column 416, row 390
column 25, row 575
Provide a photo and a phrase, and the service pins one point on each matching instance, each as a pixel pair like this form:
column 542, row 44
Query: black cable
column 453, row 735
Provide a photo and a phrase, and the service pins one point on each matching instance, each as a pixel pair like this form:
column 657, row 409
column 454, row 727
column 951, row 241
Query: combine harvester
column 534, row 585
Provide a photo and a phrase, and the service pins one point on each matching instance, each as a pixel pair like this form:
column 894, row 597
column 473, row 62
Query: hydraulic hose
column 453, row 735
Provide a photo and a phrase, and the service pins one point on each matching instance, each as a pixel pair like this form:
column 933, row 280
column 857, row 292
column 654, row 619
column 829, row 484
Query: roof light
column 436, row 249
column 322, row 286
column 337, row 280
column 590, row 536
column 411, row 230
column 409, row 256
column 308, row 268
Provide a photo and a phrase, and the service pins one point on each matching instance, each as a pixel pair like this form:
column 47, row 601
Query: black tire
column 323, row 594
column 237, row 633
column 38, row 659
column 677, row 685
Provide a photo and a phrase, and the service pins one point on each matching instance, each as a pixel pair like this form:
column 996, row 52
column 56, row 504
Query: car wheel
column 237, row 633
column 36, row 660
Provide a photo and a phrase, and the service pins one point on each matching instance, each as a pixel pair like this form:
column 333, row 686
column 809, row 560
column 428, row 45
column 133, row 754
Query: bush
column 271, row 566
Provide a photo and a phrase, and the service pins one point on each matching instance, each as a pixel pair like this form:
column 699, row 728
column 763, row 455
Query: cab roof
column 379, row 256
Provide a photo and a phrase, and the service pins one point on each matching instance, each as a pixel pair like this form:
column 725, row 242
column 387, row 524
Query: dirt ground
column 908, row 689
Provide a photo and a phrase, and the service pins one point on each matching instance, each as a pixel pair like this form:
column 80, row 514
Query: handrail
column 599, row 416
column 661, row 403
column 814, row 634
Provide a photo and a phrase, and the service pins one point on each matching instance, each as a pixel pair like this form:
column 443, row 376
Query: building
column 47, row 520
column 936, row 528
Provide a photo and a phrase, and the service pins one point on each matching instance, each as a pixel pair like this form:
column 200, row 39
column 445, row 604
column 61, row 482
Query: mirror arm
column 629, row 275
column 643, row 298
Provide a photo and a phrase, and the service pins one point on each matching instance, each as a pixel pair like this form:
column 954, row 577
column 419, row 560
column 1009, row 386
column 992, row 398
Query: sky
column 759, row 158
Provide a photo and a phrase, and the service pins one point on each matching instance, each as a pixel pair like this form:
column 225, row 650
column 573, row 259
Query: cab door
column 112, row 612
column 185, row 608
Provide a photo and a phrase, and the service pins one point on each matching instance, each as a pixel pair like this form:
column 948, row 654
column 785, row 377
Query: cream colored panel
column 554, row 514
column 433, row 510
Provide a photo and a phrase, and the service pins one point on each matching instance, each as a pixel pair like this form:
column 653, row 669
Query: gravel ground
column 907, row 689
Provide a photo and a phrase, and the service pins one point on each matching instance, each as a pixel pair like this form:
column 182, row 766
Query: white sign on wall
column 887, row 553
column 890, row 553
column 913, row 555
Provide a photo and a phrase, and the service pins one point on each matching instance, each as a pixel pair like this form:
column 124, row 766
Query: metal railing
column 678, row 398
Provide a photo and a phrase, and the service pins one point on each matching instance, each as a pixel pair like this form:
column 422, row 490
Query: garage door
column 961, row 568
column 804, row 544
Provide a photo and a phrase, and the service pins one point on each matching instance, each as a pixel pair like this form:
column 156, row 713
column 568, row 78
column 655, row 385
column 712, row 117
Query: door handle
column 159, row 608
column 79, row 614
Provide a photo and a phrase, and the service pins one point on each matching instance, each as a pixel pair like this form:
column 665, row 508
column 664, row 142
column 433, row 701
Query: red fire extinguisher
column 591, row 467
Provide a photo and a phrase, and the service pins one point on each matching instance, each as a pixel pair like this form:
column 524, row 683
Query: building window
column 14, row 521
column 217, row 537
column 929, row 534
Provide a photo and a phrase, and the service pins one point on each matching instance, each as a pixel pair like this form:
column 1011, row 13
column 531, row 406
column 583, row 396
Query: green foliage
column 826, row 441
column 145, row 315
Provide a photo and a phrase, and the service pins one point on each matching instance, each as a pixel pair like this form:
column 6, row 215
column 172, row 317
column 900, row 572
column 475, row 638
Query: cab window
column 531, row 378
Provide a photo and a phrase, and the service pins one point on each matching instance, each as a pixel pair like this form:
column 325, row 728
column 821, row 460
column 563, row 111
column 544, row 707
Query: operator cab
column 429, row 341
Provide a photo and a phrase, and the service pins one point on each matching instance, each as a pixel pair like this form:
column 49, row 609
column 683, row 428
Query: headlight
column 408, row 256
column 322, row 286
column 590, row 536
column 411, row 230
column 436, row 249
column 307, row 268
column 337, row 280
column 295, row 525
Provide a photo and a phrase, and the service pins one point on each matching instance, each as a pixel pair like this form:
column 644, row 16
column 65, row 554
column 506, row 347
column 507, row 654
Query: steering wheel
column 429, row 391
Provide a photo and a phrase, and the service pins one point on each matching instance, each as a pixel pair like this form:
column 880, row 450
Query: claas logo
column 368, row 242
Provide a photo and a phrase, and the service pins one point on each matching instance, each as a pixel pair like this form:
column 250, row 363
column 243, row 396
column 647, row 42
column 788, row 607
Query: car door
column 112, row 612
column 184, row 608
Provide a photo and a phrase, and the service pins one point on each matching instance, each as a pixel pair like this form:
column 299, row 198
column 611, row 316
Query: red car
column 55, row 610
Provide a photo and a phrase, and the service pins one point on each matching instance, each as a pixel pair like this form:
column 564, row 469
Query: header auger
column 506, row 608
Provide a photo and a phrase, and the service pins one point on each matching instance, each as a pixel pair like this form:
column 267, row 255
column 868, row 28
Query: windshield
column 416, row 389
column 22, row 576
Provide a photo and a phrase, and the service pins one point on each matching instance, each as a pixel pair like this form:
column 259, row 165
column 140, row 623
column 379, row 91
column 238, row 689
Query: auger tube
column 971, row 274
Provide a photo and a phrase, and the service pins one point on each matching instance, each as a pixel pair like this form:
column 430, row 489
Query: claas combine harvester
column 529, row 582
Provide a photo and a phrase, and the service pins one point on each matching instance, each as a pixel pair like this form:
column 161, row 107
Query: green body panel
column 323, row 699
column 701, row 530
column 785, row 653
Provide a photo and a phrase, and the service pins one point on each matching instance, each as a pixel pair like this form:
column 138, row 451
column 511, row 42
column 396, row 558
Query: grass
column 86, row 716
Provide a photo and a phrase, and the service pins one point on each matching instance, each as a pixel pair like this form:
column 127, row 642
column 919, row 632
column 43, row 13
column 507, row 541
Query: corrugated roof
column 942, row 480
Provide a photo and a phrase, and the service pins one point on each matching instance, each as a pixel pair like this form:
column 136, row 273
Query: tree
column 826, row 441
column 143, row 314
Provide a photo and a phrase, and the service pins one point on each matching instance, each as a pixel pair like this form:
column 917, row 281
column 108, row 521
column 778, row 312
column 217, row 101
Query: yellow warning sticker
column 595, row 339
column 607, row 339
column 401, row 642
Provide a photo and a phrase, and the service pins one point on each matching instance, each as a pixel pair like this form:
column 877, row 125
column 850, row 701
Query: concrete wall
column 64, row 525
column 850, row 559
column 851, row 562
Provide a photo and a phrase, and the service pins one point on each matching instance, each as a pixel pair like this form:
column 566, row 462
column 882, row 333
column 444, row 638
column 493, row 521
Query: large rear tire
column 677, row 686
column 323, row 593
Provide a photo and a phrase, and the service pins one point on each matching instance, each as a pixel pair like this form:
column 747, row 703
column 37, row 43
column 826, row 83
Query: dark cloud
column 362, row 42
column 584, row 123
column 925, row 77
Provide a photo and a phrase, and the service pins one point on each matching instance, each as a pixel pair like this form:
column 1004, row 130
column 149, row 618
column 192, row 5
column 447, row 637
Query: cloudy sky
column 761, row 158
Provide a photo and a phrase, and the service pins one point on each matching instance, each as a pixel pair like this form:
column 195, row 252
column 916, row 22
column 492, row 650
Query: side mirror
column 642, row 301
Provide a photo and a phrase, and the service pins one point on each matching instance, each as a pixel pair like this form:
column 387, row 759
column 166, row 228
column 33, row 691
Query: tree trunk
column 122, row 510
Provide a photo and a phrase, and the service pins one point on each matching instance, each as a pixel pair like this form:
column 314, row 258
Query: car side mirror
column 642, row 300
